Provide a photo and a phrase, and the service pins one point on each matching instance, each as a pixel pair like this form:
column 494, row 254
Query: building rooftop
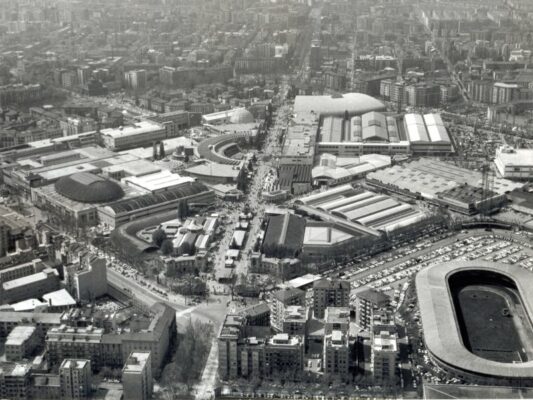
column 139, row 128
column 303, row 280
column 59, row 298
column 515, row 157
column 335, row 315
column 156, row 182
column 384, row 341
column 85, row 187
column 14, row 317
column 26, row 305
column 287, row 294
column 332, row 284
column 215, row 170
column 19, row 335
column 26, row 280
column 136, row 362
column 323, row 234
column 429, row 177
column 73, row 363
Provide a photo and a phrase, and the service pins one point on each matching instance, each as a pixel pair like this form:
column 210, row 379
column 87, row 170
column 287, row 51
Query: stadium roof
column 85, row 187
column 147, row 200
column 209, row 148
column 441, row 332
column 353, row 103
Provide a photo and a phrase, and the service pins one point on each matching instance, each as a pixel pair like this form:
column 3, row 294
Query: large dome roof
column 88, row 188
column 242, row 116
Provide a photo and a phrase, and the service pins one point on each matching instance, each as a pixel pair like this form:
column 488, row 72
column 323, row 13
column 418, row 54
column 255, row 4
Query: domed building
column 89, row 188
column 242, row 116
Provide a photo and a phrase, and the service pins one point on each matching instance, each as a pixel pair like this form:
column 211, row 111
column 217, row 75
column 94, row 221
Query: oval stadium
column 476, row 318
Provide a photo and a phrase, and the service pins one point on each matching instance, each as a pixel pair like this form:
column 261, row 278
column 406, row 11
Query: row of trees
column 190, row 358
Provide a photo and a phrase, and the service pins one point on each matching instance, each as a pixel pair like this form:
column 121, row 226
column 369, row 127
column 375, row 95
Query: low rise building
column 514, row 163
column 31, row 286
column 139, row 134
column 21, row 342
column 14, row 380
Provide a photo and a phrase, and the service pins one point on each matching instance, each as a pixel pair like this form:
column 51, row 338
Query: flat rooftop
column 139, row 128
column 324, row 235
column 136, row 362
column 73, row 363
column 27, row 280
column 516, row 157
column 157, row 181
column 429, row 177
column 19, row 335
column 59, row 298
column 215, row 170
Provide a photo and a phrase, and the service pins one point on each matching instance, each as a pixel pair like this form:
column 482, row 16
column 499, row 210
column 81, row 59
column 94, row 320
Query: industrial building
column 514, row 163
column 443, row 184
column 332, row 170
column 87, row 199
column 363, row 208
column 375, row 132
column 142, row 133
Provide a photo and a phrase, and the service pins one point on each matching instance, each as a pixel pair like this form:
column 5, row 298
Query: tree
column 161, row 150
column 167, row 247
column 154, row 151
column 183, row 209
column 158, row 237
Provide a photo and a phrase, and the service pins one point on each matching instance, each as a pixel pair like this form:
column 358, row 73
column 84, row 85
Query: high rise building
column 329, row 293
column 336, row 353
column 284, row 354
column 228, row 352
column 137, row 377
column 282, row 299
column 84, row 74
column 315, row 56
column 87, row 280
column 75, row 379
column 383, row 358
column 135, row 79
column 367, row 301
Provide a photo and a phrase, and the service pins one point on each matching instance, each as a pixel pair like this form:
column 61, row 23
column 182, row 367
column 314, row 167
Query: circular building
column 476, row 319
column 242, row 116
column 85, row 187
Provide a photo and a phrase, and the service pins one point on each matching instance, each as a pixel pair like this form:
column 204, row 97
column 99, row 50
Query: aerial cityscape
column 297, row 199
